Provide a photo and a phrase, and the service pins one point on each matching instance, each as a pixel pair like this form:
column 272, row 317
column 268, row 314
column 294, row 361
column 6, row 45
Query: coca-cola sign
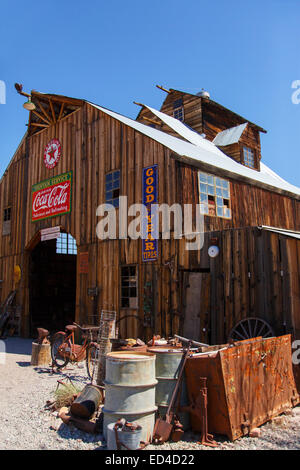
column 52, row 197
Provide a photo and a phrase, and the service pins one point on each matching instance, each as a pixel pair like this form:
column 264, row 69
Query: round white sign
column 52, row 153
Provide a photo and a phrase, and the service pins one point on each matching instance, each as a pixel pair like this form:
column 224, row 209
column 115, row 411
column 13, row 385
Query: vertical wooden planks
column 93, row 144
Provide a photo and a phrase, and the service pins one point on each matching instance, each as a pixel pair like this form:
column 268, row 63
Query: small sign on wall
column 50, row 233
column 93, row 291
column 52, row 153
column 83, row 263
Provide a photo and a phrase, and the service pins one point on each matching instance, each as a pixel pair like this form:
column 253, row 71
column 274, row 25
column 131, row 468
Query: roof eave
column 234, row 176
column 209, row 100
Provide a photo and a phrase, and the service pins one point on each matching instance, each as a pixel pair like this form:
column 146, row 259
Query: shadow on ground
column 71, row 432
column 71, row 374
column 18, row 346
column 23, row 364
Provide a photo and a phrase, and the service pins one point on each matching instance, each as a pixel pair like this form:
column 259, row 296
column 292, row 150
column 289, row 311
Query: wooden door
column 197, row 305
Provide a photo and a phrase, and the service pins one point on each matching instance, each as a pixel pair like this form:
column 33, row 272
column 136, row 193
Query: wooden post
column 41, row 354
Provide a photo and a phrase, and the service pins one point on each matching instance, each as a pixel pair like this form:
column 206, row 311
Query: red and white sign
column 52, row 153
column 52, row 197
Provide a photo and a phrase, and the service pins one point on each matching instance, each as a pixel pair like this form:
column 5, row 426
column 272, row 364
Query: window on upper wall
column 214, row 196
column 129, row 287
column 7, row 214
column 6, row 228
column 178, row 112
column 112, row 188
column 249, row 157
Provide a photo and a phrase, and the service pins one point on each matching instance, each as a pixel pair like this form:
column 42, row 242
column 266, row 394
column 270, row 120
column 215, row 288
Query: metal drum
column 87, row 402
column 167, row 366
column 130, row 390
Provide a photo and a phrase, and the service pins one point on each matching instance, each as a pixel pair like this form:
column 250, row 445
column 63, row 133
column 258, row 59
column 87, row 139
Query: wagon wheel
column 251, row 328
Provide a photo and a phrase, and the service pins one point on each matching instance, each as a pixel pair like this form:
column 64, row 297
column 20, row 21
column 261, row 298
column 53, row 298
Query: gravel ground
column 24, row 390
column 26, row 424
column 283, row 435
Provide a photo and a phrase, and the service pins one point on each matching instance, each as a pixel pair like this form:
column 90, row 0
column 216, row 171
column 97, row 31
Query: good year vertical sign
column 150, row 243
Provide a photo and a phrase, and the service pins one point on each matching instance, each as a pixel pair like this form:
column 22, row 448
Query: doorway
column 196, row 295
column 52, row 284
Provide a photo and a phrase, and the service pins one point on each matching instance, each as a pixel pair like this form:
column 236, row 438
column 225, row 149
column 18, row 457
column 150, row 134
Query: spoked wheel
column 58, row 359
column 92, row 355
column 251, row 328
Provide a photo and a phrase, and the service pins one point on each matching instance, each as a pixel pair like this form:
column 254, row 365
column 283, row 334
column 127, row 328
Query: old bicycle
column 65, row 350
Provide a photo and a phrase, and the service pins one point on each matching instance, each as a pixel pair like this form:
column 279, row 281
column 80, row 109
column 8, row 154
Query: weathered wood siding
column 257, row 274
column 250, row 205
column 92, row 145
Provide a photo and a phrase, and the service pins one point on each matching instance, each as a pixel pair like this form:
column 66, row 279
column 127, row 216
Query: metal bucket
column 87, row 402
column 131, row 439
column 167, row 366
column 130, row 390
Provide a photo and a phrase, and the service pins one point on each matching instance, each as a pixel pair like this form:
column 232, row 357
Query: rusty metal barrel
column 168, row 362
column 87, row 402
column 130, row 390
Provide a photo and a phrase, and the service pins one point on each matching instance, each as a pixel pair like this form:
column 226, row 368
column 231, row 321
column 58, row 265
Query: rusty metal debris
column 232, row 389
column 198, row 409
column 206, row 438
column 248, row 384
column 186, row 340
column 177, row 432
column 296, row 370
column 80, row 414
column 82, row 424
column 129, row 344
column 42, row 336
column 126, row 426
column 87, row 402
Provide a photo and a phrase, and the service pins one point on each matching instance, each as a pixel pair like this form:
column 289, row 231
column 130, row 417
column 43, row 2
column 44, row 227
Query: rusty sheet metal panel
column 209, row 366
column 296, row 370
column 248, row 384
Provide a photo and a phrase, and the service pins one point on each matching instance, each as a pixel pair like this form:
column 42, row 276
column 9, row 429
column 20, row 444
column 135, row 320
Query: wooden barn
column 76, row 156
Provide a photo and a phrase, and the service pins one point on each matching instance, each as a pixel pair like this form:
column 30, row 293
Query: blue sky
column 246, row 54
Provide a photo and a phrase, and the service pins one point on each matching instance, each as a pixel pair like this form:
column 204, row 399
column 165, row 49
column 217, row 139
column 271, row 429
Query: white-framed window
column 249, row 158
column 66, row 245
column 214, row 193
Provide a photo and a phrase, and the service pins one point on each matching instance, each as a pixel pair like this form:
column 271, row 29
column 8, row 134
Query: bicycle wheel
column 58, row 359
column 92, row 361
